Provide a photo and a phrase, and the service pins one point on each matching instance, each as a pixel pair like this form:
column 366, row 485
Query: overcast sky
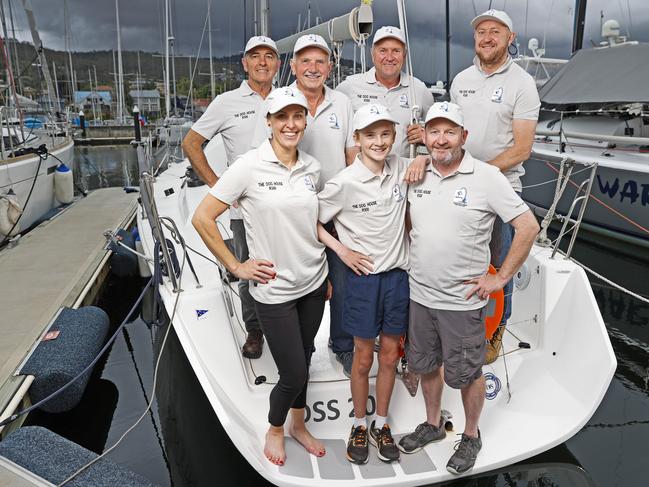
column 93, row 27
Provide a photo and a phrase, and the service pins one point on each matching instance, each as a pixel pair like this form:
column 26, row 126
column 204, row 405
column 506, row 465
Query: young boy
column 367, row 202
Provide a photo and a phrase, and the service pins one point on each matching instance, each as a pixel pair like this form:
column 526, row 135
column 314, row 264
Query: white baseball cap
column 282, row 97
column 389, row 31
column 311, row 40
column 497, row 15
column 371, row 113
column 445, row 109
column 257, row 41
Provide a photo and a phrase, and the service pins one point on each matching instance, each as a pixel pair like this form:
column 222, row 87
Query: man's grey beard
column 451, row 156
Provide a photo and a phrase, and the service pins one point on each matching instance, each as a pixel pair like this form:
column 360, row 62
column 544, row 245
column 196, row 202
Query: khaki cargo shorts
column 453, row 338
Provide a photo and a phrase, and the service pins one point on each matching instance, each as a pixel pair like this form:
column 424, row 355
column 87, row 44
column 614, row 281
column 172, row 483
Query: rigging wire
column 155, row 371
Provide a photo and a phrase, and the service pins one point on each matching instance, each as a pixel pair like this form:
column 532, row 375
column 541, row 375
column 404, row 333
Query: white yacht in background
column 35, row 163
column 29, row 159
column 595, row 110
column 556, row 366
column 539, row 67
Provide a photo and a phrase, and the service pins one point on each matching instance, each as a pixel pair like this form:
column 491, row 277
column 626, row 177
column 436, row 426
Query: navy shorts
column 376, row 303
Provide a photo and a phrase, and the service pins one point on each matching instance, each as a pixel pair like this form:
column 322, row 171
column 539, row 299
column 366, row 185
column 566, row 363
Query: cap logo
column 491, row 12
column 443, row 107
column 312, row 38
column 289, row 92
column 374, row 110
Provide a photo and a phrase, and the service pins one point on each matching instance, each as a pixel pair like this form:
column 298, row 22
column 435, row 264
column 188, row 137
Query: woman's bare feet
column 304, row 438
column 274, row 447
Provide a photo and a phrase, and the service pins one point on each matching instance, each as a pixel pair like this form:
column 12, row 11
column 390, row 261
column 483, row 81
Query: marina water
column 181, row 443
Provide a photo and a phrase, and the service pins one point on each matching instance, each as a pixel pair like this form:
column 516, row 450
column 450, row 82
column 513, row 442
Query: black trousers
column 290, row 329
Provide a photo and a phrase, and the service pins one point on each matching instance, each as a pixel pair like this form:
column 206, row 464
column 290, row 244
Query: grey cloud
column 93, row 24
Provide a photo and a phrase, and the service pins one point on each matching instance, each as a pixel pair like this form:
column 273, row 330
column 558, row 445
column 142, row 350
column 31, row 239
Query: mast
column 94, row 67
column 92, row 92
column 265, row 11
column 56, row 87
column 15, row 49
column 167, row 90
column 448, row 45
column 38, row 44
column 578, row 26
column 116, row 82
column 209, row 38
column 120, row 69
column 66, row 27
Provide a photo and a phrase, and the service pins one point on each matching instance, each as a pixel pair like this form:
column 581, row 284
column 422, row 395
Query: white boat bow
column 557, row 365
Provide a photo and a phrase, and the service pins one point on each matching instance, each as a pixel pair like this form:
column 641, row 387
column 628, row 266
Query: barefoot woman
column 276, row 190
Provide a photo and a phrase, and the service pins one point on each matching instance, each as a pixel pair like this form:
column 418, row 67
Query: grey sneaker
column 357, row 447
column 466, row 451
column 424, row 433
column 384, row 443
column 346, row 359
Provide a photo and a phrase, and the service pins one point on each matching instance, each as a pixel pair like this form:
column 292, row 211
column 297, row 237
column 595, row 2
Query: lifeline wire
column 155, row 377
column 15, row 416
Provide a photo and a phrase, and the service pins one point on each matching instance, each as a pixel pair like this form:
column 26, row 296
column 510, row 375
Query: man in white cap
column 234, row 116
column 449, row 283
column 388, row 84
column 501, row 107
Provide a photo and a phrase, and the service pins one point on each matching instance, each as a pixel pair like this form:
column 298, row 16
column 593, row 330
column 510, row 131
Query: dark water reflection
column 182, row 443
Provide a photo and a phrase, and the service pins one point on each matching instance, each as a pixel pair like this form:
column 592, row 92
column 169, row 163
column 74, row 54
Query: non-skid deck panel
column 298, row 460
column 375, row 468
column 334, row 465
column 416, row 462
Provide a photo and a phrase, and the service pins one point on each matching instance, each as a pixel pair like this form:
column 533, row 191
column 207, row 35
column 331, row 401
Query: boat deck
column 54, row 265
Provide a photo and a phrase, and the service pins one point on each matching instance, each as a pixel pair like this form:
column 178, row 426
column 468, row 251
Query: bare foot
column 304, row 438
column 274, row 447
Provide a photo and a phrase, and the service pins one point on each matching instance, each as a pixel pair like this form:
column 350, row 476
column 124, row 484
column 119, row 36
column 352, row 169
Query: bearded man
column 501, row 107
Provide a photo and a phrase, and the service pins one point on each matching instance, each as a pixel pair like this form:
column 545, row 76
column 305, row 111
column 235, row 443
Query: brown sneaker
column 254, row 344
column 494, row 345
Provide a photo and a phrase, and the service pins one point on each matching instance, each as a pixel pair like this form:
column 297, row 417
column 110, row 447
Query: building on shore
column 148, row 101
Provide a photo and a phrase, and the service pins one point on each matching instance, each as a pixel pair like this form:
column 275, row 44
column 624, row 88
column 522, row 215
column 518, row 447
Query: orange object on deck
column 498, row 298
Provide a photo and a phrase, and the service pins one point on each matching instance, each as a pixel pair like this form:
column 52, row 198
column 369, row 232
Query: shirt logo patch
column 397, row 194
column 497, row 95
column 308, row 182
column 403, row 101
column 333, row 121
column 459, row 198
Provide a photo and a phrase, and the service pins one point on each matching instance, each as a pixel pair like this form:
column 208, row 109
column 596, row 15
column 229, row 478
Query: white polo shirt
column 327, row 134
column 452, row 218
column 369, row 211
column 489, row 103
column 364, row 88
column 233, row 115
column 280, row 215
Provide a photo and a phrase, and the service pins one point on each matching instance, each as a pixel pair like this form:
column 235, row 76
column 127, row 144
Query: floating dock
column 62, row 262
